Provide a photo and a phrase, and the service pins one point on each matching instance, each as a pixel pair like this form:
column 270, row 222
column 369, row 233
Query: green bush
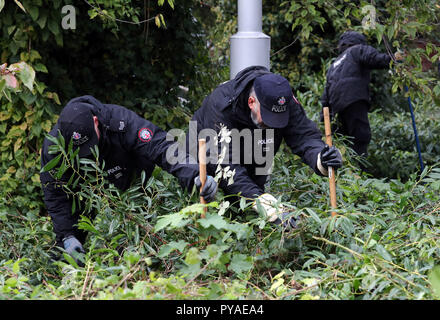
column 152, row 242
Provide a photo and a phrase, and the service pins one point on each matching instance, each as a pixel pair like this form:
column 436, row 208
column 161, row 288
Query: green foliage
column 26, row 113
column 124, row 52
column 393, row 151
column 150, row 242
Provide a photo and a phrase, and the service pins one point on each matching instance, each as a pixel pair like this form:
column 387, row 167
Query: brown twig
column 85, row 282
column 200, row 272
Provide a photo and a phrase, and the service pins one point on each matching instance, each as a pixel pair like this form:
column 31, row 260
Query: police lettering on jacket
column 227, row 105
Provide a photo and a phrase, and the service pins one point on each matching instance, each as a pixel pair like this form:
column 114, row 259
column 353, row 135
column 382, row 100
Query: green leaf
column 33, row 12
column 313, row 215
column 7, row 94
column 26, row 74
column 196, row 208
column 434, row 280
column 41, row 68
column 11, row 282
column 42, row 20
column 86, row 224
column 28, row 98
column 2, row 84
column 59, row 39
column 131, row 257
column 2, row 4
column 213, row 220
column 73, row 204
column 175, row 220
column 61, row 170
column 384, row 253
column 170, row 247
column 162, row 20
column 242, row 203
column 16, row 267
column 276, row 284
column 192, row 257
column 70, row 260
column 240, row 229
column 51, row 164
column 53, row 27
column 241, row 263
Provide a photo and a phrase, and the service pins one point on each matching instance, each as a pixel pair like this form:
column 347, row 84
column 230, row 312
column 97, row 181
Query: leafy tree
column 131, row 53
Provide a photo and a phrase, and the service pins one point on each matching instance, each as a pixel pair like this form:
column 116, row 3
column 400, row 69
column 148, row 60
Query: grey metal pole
column 249, row 46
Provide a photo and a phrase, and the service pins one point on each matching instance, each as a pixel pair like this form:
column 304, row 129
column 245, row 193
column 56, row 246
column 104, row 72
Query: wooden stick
column 202, row 170
column 331, row 172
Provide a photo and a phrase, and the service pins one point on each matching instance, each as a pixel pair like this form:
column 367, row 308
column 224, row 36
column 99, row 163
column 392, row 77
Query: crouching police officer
column 260, row 104
column 127, row 143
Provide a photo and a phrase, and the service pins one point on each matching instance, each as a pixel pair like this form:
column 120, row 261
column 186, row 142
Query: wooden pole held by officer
column 202, row 170
column 331, row 171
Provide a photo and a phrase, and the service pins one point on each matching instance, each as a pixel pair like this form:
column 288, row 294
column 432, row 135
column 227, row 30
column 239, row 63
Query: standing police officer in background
column 258, row 99
column 346, row 91
column 127, row 143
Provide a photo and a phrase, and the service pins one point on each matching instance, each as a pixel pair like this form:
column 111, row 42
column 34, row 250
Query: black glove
column 209, row 189
column 288, row 223
column 73, row 247
column 331, row 157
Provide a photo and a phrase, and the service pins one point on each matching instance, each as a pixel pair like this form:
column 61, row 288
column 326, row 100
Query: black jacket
column 349, row 76
column 227, row 105
column 125, row 156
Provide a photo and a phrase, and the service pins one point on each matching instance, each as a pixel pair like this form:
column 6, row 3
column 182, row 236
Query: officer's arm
column 242, row 183
column 303, row 137
column 325, row 96
column 149, row 144
column 214, row 118
column 59, row 207
column 58, row 204
column 372, row 58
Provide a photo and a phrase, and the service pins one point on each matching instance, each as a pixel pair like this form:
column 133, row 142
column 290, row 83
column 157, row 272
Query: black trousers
column 353, row 123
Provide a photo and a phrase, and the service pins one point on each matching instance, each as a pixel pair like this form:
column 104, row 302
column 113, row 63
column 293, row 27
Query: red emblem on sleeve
column 145, row 135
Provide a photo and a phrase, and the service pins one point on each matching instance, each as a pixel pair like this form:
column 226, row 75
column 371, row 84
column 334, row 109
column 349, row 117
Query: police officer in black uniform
column 127, row 143
column 257, row 99
column 346, row 91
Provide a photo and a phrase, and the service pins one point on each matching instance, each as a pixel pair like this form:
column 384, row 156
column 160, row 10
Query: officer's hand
column 288, row 223
column 399, row 56
column 268, row 202
column 73, row 247
column 331, row 157
column 209, row 189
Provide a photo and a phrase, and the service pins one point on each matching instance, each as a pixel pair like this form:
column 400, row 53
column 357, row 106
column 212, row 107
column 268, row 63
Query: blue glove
column 209, row 189
column 288, row 223
column 331, row 157
column 73, row 247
